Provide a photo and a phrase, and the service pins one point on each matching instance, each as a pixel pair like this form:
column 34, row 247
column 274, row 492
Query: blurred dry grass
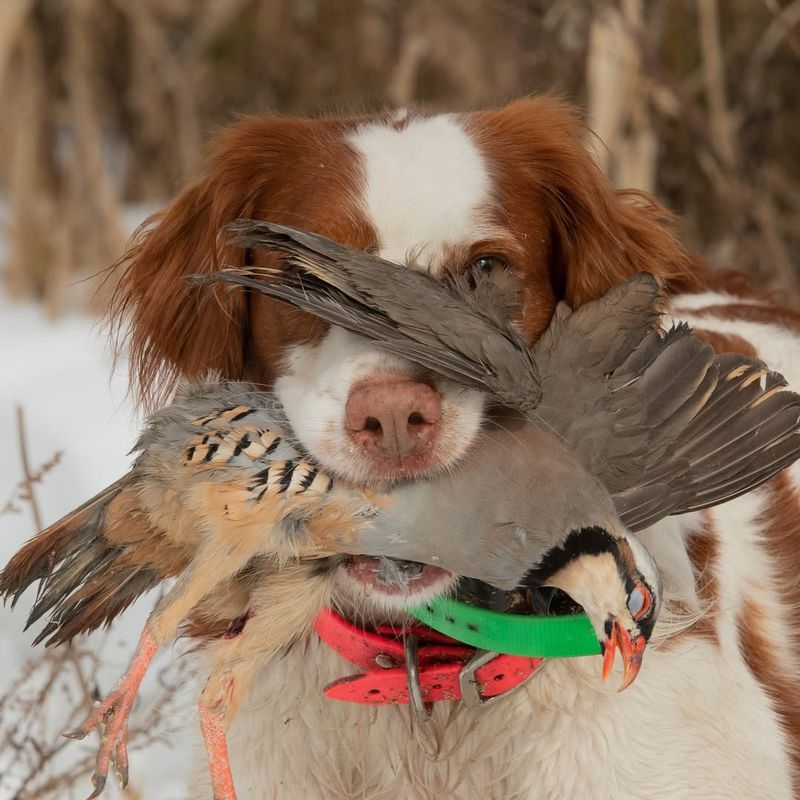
column 109, row 101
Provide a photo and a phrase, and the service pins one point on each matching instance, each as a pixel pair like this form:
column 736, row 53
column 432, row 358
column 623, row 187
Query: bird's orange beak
column 632, row 651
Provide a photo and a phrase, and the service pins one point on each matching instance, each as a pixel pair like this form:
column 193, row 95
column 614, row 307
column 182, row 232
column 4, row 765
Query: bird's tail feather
column 85, row 579
column 61, row 541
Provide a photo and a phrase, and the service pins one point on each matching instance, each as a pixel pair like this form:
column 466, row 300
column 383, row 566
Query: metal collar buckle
column 471, row 688
column 469, row 685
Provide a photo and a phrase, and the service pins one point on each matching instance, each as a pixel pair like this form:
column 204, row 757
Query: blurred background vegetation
column 107, row 105
column 106, row 109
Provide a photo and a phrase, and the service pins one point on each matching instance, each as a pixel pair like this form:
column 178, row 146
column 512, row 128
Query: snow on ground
column 60, row 374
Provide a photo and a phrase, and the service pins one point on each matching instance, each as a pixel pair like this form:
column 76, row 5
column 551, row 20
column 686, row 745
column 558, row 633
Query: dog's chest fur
column 696, row 725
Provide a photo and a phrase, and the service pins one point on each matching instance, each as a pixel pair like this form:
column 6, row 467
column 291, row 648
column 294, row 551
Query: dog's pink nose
column 393, row 419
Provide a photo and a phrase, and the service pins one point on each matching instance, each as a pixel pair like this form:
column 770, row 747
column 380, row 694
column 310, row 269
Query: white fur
column 692, row 302
column 427, row 187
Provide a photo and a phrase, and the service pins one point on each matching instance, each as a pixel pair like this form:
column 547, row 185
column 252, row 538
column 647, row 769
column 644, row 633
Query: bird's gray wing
column 432, row 323
column 588, row 399
column 746, row 431
column 602, row 334
column 663, row 422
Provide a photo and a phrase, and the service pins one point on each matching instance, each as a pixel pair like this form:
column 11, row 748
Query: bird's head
column 616, row 581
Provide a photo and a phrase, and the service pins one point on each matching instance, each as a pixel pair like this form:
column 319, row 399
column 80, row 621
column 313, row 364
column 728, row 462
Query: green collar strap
column 515, row 634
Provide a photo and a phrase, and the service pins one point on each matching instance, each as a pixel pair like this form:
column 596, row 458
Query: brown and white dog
column 716, row 710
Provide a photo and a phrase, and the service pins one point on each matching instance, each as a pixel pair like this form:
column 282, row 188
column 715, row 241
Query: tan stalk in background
column 111, row 102
column 618, row 101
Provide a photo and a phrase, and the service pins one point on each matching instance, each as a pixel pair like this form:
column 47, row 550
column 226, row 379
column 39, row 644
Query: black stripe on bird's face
column 593, row 541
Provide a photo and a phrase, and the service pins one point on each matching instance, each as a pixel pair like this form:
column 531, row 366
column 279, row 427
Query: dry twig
column 29, row 477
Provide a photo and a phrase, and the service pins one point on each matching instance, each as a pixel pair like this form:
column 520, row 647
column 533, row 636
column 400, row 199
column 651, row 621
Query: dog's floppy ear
column 598, row 235
column 603, row 235
column 178, row 330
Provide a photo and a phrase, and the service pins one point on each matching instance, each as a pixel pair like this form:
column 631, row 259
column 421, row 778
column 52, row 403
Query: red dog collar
column 445, row 669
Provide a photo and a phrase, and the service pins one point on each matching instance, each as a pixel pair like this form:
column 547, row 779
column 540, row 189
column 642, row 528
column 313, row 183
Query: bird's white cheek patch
column 314, row 391
column 594, row 582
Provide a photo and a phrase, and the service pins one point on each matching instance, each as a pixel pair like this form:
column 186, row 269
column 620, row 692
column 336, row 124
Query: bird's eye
column 640, row 601
column 488, row 264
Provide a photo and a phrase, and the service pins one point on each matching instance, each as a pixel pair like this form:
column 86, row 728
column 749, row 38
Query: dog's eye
column 488, row 264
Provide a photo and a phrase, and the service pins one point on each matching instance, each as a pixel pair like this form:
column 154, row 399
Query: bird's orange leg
column 121, row 756
column 234, row 659
column 207, row 570
column 212, row 724
column 275, row 618
column 113, row 713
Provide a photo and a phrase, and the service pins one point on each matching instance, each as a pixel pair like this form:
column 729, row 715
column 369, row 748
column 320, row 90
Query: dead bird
column 217, row 492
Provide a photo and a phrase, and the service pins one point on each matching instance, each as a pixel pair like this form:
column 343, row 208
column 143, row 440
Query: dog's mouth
column 411, row 580
column 394, row 576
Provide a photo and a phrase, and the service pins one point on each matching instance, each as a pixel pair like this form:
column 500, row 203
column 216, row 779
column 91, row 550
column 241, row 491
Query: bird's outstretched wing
column 663, row 422
column 440, row 326
column 740, row 427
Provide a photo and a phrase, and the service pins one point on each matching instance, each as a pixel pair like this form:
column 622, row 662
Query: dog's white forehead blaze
column 426, row 186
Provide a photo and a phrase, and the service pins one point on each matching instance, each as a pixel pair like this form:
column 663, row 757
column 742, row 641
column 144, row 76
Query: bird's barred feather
column 97, row 560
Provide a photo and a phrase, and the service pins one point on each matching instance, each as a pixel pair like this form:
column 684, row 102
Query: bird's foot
column 112, row 715
column 212, row 724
